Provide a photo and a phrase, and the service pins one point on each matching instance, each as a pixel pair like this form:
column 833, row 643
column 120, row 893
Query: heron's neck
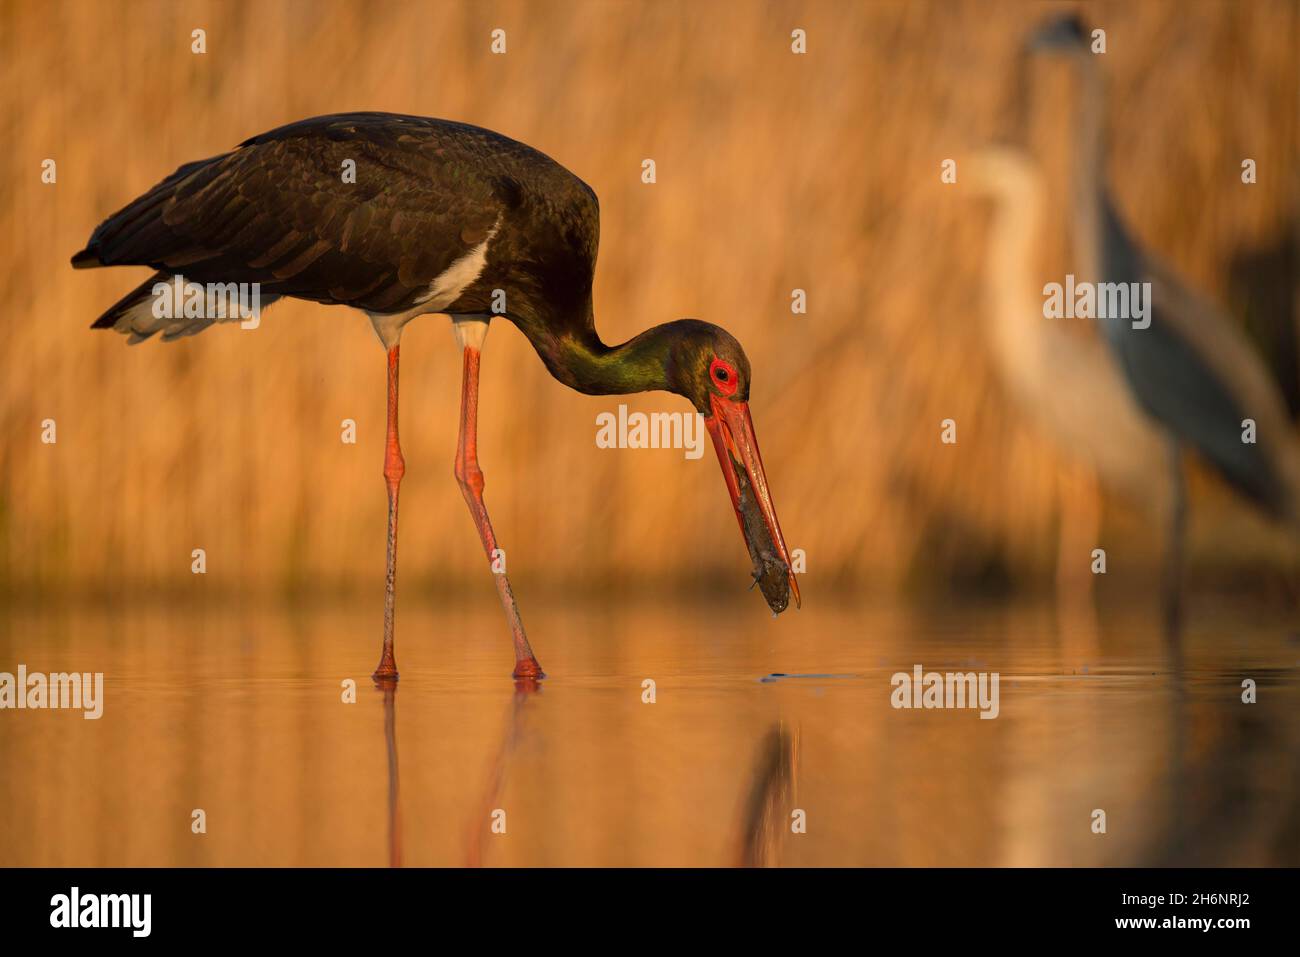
column 1090, row 170
column 1016, row 309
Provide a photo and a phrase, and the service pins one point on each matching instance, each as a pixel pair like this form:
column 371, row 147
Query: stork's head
column 708, row 366
column 1060, row 34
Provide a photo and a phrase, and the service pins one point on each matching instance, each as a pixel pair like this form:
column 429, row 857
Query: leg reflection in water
column 387, row 685
column 480, row 824
column 765, row 818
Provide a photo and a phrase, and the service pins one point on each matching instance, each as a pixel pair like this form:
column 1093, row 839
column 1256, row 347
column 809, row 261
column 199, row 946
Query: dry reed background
column 775, row 171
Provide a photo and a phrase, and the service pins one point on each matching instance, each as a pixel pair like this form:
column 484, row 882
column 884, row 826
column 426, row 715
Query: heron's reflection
column 478, row 829
column 1214, row 814
column 772, row 795
column 388, row 687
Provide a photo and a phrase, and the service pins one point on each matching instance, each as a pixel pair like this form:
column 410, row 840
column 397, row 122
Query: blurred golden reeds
column 775, row 171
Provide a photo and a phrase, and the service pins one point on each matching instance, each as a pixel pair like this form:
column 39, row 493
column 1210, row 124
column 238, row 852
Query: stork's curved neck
column 639, row 365
column 575, row 355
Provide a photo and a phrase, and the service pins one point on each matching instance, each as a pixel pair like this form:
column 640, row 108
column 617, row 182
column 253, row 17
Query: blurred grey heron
column 1191, row 371
column 1066, row 383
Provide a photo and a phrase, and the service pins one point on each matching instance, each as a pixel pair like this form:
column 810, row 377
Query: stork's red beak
column 733, row 437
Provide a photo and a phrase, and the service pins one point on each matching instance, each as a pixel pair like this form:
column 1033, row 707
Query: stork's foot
column 387, row 670
column 528, row 668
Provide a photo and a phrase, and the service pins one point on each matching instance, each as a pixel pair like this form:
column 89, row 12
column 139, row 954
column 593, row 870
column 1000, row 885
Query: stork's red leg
column 394, row 469
column 470, row 477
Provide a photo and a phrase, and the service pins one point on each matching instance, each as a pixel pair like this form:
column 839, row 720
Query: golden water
column 240, row 712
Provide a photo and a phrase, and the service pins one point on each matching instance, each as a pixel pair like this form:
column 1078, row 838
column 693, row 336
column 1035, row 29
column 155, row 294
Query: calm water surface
column 239, row 712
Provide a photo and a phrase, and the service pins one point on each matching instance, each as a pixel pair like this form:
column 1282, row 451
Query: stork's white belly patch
column 442, row 292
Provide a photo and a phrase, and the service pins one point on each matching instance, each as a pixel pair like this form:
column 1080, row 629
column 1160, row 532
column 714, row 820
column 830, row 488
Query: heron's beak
column 1065, row 32
column 733, row 437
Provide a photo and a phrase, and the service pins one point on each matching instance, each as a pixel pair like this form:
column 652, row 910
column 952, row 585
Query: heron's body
column 401, row 216
column 1066, row 382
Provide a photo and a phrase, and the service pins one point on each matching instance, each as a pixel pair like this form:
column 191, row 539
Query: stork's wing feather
column 281, row 210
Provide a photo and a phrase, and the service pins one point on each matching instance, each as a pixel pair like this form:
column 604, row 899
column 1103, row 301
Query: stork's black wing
column 279, row 210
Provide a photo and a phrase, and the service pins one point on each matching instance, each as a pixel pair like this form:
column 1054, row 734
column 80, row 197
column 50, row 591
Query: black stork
column 435, row 217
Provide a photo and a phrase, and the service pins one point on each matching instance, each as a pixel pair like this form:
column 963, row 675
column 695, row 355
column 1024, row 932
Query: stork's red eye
column 723, row 375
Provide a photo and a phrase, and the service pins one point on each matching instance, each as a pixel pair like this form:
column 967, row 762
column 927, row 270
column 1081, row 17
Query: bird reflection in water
column 1209, row 818
column 480, row 823
column 387, row 686
column 772, row 795
column 525, row 688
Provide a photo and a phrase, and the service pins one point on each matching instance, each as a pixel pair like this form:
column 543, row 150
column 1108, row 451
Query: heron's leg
column 1080, row 529
column 1076, row 607
column 470, row 477
column 1175, row 542
column 394, row 469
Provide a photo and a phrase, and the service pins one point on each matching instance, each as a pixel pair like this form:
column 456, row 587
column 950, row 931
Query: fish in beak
column 732, row 431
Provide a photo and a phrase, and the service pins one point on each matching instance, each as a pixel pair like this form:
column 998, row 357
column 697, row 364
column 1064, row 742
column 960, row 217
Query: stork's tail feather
column 133, row 315
column 136, row 313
